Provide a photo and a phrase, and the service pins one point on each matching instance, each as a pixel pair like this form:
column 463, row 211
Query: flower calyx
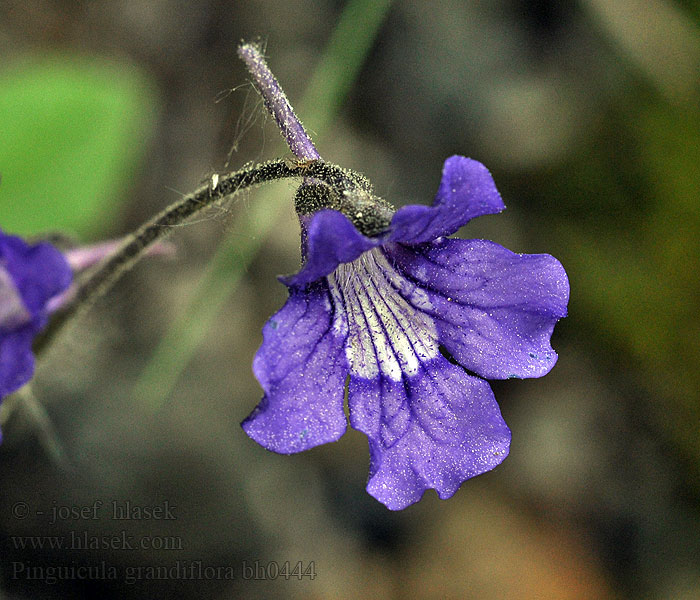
column 352, row 195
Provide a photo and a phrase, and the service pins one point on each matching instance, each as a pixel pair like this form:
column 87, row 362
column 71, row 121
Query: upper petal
column 331, row 240
column 301, row 367
column 39, row 271
column 466, row 190
column 431, row 430
column 494, row 310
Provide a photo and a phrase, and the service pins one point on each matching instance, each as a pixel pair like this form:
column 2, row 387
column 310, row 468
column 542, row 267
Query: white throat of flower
column 382, row 314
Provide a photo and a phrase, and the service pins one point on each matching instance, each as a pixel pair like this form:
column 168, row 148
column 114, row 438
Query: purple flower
column 30, row 277
column 35, row 281
column 385, row 310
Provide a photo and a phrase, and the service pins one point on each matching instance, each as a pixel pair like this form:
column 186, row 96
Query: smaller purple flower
column 383, row 301
column 36, row 280
column 31, row 275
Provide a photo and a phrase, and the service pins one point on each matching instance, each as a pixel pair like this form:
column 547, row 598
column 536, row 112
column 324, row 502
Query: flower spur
column 381, row 298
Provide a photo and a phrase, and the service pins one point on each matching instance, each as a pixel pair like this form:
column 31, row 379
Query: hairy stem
column 219, row 188
column 276, row 102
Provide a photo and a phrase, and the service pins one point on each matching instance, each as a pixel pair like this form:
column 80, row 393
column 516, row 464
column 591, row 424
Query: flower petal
column 331, row 240
column 39, row 271
column 466, row 190
column 16, row 359
column 494, row 310
column 301, row 366
column 433, row 430
column 13, row 312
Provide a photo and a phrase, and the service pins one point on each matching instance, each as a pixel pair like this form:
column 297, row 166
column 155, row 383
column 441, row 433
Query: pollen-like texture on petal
column 494, row 310
column 301, row 367
column 432, row 430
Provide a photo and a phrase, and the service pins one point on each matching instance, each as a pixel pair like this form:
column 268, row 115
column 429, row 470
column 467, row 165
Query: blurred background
column 587, row 115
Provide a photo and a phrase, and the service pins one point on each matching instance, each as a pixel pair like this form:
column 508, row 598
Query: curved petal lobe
column 433, row 430
column 466, row 190
column 39, row 271
column 331, row 240
column 494, row 310
column 301, row 367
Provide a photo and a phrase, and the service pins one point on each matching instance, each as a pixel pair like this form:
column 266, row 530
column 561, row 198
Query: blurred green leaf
column 71, row 133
